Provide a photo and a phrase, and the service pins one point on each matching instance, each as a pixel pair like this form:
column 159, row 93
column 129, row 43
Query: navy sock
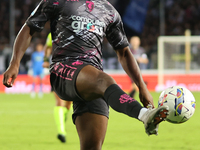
column 122, row 102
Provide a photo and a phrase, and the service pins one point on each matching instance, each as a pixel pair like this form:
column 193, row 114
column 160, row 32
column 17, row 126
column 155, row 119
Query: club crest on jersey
column 90, row 5
column 55, row 3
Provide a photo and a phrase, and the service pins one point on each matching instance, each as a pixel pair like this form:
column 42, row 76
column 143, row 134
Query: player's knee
column 104, row 81
column 92, row 83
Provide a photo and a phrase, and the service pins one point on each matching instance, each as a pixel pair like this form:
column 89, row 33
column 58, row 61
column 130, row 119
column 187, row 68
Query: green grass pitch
column 28, row 124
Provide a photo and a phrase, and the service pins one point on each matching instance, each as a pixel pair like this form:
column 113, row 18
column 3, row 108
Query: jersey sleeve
column 49, row 40
column 44, row 11
column 115, row 34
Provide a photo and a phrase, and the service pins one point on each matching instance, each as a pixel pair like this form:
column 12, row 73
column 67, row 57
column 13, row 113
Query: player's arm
column 116, row 37
column 35, row 23
column 47, row 51
column 131, row 67
column 21, row 43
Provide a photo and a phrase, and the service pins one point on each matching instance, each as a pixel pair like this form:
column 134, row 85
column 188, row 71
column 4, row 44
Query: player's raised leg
column 92, row 83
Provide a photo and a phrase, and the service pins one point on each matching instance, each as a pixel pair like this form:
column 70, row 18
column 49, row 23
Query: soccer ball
column 180, row 101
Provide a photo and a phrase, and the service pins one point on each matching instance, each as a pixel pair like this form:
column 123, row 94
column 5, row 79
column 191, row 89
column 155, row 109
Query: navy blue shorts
column 63, row 81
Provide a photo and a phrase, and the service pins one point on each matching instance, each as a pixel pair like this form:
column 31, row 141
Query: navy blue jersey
column 78, row 28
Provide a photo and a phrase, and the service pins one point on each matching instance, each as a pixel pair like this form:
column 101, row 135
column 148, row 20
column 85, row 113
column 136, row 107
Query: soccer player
column 62, row 107
column 37, row 69
column 77, row 29
column 140, row 56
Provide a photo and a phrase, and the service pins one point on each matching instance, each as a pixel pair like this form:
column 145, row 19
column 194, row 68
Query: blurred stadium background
column 147, row 19
column 158, row 23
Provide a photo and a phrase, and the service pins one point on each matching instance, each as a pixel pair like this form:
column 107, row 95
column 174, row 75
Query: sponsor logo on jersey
column 83, row 23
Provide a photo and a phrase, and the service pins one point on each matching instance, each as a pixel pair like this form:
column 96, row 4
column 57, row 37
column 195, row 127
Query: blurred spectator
column 140, row 56
column 37, row 69
column 139, row 52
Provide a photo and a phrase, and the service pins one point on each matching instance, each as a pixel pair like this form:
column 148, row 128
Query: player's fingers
column 153, row 105
column 6, row 80
column 12, row 81
column 150, row 105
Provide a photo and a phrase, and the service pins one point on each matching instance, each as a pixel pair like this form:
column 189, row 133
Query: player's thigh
column 91, row 129
column 59, row 102
column 68, row 104
column 91, row 83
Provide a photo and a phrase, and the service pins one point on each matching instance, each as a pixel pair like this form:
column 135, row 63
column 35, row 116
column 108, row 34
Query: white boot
column 152, row 117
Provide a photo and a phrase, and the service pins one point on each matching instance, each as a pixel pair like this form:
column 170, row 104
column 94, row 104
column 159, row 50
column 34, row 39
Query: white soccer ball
column 180, row 101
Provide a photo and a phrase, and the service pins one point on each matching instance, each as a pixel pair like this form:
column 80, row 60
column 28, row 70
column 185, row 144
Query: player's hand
column 46, row 65
column 146, row 98
column 10, row 75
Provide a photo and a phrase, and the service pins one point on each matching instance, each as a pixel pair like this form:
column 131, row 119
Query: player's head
column 39, row 47
column 135, row 42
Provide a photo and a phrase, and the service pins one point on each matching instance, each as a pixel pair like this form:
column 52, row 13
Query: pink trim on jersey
column 76, row 63
column 61, row 76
